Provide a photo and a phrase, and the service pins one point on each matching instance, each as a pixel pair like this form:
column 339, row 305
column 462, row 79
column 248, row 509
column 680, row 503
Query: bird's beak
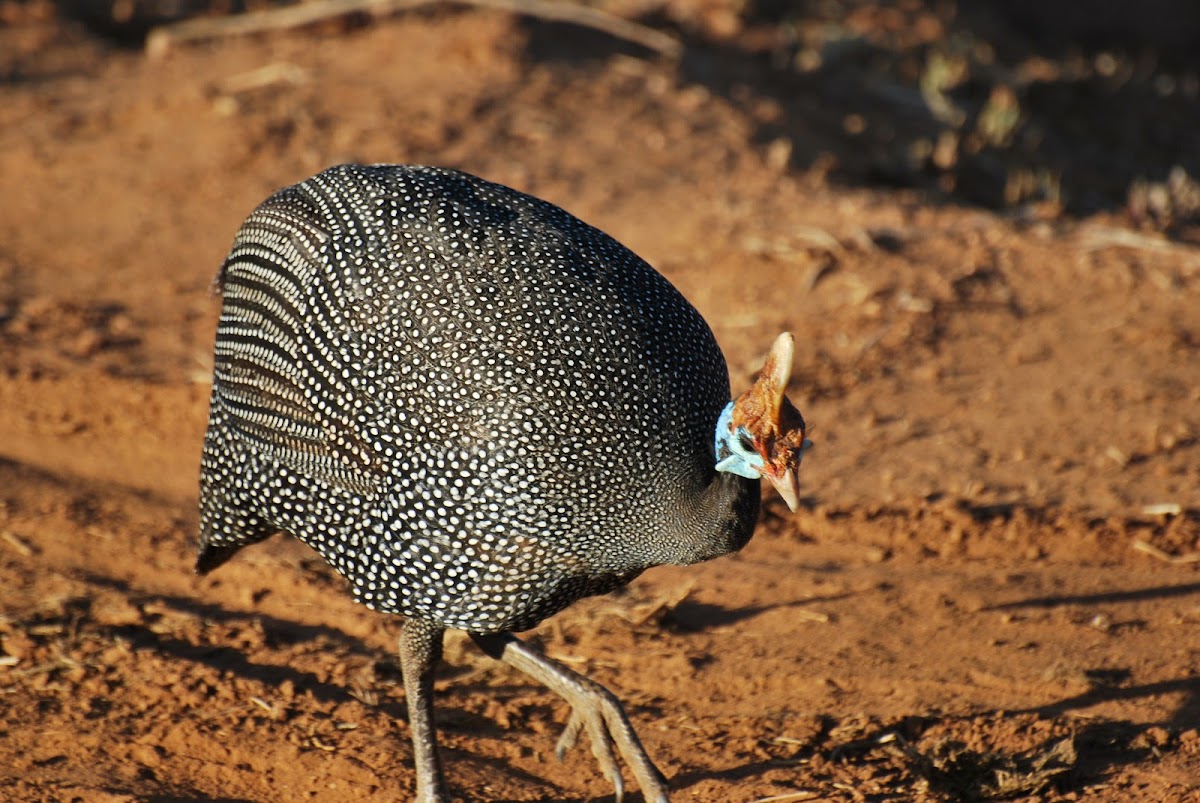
column 788, row 485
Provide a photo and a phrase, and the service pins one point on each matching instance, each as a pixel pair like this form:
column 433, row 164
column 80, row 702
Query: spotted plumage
column 475, row 407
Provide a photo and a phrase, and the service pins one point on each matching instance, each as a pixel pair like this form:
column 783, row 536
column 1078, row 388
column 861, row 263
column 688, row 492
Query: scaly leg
column 593, row 708
column 420, row 652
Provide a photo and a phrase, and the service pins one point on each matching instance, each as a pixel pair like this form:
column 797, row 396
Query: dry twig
column 1162, row 509
column 160, row 40
column 17, row 543
column 281, row 72
column 1095, row 238
column 1165, row 557
column 789, row 796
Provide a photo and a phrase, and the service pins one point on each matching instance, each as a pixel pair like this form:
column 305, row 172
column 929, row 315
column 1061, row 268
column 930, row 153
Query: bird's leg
column 420, row 652
column 593, row 708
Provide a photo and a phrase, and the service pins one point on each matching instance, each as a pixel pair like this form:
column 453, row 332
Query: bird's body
column 475, row 407
column 473, row 424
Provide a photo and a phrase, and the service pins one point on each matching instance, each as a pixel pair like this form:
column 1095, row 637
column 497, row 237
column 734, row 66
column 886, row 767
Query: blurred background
column 980, row 219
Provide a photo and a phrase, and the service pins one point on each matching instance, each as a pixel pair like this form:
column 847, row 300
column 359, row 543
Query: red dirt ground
column 992, row 589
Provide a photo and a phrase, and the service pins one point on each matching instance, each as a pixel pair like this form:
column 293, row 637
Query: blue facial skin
column 735, row 450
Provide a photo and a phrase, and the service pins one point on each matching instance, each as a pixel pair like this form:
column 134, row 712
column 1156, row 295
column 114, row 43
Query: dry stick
column 1163, row 555
column 159, row 41
column 13, row 540
column 797, row 796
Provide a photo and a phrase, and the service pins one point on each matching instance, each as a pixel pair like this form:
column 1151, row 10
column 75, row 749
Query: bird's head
column 761, row 433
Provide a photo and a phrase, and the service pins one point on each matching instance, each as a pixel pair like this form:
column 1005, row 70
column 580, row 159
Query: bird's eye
column 745, row 441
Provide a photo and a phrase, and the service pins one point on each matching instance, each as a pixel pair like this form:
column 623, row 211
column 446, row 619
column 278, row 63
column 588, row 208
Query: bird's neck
column 718, row 520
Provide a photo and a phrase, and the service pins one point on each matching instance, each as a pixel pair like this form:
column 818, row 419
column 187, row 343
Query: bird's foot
column 593, row 709
column 598, row 711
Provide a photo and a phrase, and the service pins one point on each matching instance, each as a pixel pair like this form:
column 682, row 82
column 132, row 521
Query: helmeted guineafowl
column 478, row 409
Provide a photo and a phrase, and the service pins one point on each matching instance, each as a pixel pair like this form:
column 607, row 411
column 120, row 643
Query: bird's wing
column 282, row 376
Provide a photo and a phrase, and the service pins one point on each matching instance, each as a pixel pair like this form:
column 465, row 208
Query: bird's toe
column 597, row 710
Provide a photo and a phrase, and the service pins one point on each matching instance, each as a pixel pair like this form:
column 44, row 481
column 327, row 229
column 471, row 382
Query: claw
column 595, row 709
column 602, row 749
column 592, row 707
column 602, row 744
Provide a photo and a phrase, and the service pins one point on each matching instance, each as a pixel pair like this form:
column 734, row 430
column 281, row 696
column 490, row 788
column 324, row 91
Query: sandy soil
column 992, row 589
